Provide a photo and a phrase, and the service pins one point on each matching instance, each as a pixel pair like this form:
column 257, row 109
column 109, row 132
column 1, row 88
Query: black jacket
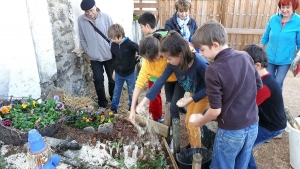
column 123, row 56
column 171, row 24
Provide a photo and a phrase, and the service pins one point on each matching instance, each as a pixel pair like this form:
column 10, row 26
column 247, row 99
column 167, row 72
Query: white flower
column 39, row 101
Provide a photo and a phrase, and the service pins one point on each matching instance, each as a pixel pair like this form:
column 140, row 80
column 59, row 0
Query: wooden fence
column 244, row 20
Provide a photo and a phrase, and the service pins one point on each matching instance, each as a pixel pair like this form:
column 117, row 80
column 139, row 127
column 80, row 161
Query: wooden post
column 170, row 154
column 167, row 118
column 159, row 127
column 176, row 135
column 291, row 119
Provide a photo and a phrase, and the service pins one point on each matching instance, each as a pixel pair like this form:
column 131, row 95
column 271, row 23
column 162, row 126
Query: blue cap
column 36, row 142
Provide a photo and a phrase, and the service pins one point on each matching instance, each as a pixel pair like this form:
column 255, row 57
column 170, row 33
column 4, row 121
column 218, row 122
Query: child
column 189, row 69
column 124, row 60
column 147, row 23
column 232, row 83
column 153, row 65
column 272, row 119
column 181, row 21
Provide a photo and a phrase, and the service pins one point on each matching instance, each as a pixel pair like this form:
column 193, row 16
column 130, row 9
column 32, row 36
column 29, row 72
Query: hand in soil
column 132, row 117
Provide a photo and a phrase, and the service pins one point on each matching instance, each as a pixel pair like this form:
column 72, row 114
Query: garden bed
column 138, row 144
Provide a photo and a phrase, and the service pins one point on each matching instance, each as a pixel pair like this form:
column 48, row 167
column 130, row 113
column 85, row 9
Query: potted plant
column 19, row 116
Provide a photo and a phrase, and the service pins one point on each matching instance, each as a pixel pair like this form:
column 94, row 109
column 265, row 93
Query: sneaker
column 188, row 146
column 102, row 109
column 171, row 146
column 161, row 119
column 182, row 110
column 114, row 111
column 278, row 136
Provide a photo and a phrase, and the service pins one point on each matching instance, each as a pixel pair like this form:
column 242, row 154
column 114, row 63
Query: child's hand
column 138, row 57
column 195, row 118
column 113, row 75
column 183, row 102
column 132, row 116
column 140, row 108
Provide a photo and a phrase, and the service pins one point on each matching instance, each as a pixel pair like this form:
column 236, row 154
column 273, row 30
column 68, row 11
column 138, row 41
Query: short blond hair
column 183, row 5
column 116, row 31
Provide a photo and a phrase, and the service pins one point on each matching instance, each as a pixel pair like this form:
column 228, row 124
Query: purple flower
column 7, row 122
column 58, row 106
column 12, row 104
column 56, row 98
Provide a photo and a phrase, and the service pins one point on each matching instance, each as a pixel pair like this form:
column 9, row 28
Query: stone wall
column 73, row 73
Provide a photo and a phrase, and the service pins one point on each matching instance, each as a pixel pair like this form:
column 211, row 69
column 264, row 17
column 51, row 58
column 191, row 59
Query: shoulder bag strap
column 97, row 30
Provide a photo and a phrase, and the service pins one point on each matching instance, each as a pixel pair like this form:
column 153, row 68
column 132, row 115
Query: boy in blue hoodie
column 124, row 60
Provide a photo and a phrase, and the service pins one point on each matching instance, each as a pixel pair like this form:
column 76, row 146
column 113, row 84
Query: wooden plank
column 245, row 31
column 170, row 154
column 224, row 9
column 160, row 128
column 240, row 24
column 140, row 12
column 145, row 5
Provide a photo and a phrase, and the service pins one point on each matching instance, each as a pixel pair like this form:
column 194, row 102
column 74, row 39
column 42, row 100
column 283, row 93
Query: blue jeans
column 119, row 82
column 278, row 72
column 262, row 136
column 232, row 148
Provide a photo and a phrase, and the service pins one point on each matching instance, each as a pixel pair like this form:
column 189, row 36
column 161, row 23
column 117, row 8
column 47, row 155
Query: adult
column 282, row 37
column 181, row 21
column 97, row 47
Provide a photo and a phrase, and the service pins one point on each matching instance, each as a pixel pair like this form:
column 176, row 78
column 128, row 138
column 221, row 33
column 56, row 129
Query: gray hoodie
column 92, row 43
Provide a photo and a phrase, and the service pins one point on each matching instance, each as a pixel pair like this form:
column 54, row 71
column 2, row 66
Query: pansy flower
column 4, row 109
column 34, row 103
column 9, row 107
column 24, row 106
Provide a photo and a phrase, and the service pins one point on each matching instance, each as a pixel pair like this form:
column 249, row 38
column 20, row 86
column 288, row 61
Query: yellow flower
column 87, row 120
column 111, row 113
column 9, row 107
column 83, row 118
column 24, row 106
column 38, row 120
column 34, row 103
column 109, row 121
column 4, row 109
column 102, row 116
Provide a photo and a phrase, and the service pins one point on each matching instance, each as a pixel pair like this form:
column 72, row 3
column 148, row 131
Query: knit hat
column 87, row 4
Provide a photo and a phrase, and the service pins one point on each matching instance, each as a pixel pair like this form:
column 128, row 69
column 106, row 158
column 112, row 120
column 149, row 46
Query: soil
column 122, row 128
column 268, row 155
